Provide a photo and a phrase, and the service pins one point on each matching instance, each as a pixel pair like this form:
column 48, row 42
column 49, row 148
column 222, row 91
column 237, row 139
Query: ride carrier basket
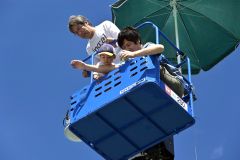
column 130, row 109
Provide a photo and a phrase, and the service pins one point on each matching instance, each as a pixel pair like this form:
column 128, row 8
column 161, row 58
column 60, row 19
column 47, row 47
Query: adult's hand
column 125, row 55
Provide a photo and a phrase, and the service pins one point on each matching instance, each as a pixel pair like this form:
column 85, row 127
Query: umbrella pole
column 173, row 4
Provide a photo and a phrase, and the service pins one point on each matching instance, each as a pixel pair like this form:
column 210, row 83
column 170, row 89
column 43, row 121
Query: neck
column 92, row 32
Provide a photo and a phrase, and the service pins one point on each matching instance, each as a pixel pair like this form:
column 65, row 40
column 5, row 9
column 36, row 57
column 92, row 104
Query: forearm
column 151, row 50
column 105, row 69
column 91, row 68
column 98, row 69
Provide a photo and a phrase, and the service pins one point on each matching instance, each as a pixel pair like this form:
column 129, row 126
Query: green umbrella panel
column 208, row 30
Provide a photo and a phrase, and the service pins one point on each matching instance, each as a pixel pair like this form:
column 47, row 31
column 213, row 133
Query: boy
column 129, row 41
column 106, row 55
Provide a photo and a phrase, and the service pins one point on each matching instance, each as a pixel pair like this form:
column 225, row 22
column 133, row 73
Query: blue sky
column 36, row 81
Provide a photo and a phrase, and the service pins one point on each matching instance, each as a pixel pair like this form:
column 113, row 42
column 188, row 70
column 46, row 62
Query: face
column 84, row 31
column 131, row 46
column 106, row 59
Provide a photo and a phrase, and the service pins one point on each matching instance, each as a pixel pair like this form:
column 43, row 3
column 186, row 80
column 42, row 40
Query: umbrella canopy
column 208, row 30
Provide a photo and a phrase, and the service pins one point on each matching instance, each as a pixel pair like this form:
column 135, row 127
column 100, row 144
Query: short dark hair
column 130, row 34
column 75, row 20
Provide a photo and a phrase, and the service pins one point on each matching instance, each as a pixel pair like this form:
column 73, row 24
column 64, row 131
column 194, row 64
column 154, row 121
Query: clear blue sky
column 36, row 81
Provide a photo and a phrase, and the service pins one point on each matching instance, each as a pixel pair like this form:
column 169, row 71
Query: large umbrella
column 205, row 30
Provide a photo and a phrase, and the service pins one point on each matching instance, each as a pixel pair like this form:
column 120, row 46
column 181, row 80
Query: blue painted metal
column 159, row 34
column 154, row 26
column 129, row 111
column 190, row 82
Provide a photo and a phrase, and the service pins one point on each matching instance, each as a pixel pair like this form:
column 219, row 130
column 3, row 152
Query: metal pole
column 190, row 81
column 173, row 3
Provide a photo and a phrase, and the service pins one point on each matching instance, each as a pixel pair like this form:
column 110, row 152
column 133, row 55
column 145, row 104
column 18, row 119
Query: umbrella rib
column 230, row 33
column 119, row 5
column 187, row 6
column 164, row 24
column 153, row 2
column 195, row 56
column 149, row 16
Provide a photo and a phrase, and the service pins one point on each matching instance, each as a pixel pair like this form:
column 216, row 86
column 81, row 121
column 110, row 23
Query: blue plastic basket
column 129, row 111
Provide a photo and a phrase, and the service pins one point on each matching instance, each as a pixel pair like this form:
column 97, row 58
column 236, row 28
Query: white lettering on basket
column 176, row 98
column 132, row 85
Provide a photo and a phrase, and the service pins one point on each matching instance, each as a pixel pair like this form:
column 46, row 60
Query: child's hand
column 85, row 73
column 96, row 76
column 78, row 64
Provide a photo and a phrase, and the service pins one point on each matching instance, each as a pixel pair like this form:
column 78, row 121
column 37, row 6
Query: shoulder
column 107, row 22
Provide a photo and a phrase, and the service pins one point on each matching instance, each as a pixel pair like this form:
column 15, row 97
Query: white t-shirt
column 103, row 31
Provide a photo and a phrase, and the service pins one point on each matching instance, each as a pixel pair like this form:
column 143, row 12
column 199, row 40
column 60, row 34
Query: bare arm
column 106, row 69
column 94, row 68
column 151, row 50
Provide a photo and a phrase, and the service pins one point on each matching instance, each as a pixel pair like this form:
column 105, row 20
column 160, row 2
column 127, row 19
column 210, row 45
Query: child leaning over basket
column 106, row 55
